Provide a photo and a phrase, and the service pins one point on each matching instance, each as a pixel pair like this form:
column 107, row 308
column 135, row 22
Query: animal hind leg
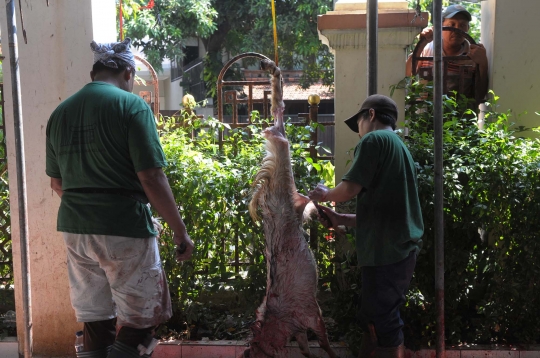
column 301, row 338
column 319, row 329
column 261, row 311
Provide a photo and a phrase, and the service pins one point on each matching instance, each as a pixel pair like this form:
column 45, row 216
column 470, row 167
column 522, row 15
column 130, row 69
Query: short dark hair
column 380, row 116
column 122, row 66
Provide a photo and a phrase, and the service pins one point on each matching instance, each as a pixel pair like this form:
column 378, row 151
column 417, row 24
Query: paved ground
column 9, row 348
column 232, row 349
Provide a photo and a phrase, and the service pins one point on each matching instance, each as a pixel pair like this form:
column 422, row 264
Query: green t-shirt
column 100, row 138
column 388, row 216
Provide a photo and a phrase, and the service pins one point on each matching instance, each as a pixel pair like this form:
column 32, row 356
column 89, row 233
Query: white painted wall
column 174, row 95
column 54, row 64
column 509, row 33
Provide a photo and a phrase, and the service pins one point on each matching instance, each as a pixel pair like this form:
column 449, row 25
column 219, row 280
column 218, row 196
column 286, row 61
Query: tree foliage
column 234, row 27
column 162, row 31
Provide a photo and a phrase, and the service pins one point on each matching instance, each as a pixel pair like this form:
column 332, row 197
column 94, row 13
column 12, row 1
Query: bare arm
column 56, row 185
column 408, row 66
column 478, row 55
column 157, row 189
column 344, row 191
column 426, row 36
column 337, row 219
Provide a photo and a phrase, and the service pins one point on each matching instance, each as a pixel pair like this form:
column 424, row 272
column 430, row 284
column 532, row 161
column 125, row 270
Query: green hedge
column 492, row 183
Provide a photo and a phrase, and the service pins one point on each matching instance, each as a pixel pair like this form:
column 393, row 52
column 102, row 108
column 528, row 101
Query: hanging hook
column 418, row 12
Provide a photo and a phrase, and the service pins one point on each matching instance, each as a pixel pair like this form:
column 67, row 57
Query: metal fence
column 192, row 79
column 325, row 133
column 176, row 70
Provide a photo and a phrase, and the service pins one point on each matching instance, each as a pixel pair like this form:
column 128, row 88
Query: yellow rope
column 275, row 32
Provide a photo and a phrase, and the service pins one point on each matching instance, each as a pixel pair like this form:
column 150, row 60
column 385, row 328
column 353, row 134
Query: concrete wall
column 54, row 64
column 509, row 34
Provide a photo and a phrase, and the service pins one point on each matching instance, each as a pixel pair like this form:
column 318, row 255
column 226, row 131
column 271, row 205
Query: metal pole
column 438, row 153
column 21, row 175
column 372, row 25
column 313, row 118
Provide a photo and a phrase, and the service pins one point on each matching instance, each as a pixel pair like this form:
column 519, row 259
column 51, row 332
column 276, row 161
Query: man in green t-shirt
column 105, row 161
column 388, row 222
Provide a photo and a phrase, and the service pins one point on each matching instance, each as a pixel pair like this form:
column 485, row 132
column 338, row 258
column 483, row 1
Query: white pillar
column 344, row 31
column 509, row 33
column 54, row 64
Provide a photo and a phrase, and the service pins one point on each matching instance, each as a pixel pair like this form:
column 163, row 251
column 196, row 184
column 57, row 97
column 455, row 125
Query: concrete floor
column 9, row 348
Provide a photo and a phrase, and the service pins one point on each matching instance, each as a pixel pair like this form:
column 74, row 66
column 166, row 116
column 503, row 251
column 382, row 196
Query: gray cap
column 377, row 102
column 453, row 10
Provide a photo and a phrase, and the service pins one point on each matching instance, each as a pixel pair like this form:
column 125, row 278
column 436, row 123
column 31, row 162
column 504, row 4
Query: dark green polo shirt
column 100, row 138
column 388, row 216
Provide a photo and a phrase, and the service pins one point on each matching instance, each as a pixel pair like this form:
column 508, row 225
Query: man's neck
column 453, row 50
column 108, row 79
column 380, row 126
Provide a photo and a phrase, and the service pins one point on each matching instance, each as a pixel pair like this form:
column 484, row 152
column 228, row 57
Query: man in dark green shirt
column 388, row 221
column 105, row 161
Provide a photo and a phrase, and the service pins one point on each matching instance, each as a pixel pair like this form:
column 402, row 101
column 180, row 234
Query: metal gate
column 231, row 99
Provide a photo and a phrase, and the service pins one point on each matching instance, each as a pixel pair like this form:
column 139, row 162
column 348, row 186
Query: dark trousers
column 383, row 293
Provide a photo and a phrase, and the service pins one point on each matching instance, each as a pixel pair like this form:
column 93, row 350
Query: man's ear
column 371, row 115
column 128, row 74
column 92, row 75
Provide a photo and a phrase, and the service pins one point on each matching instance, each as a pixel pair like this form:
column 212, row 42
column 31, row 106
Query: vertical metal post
column 21, row 175
column 121, row 14
column 314, row 101
column 372, row 25
column 438, row 153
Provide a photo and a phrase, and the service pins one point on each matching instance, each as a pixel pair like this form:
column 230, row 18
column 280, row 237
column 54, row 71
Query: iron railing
column 192, row 79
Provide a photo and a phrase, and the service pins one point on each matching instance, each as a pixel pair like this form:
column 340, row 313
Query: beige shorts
column 115, row 276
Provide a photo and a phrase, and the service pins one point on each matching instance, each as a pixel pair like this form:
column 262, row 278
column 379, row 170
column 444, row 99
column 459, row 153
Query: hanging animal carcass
column 290, row 306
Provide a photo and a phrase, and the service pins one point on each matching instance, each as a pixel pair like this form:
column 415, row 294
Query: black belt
column 133, row 194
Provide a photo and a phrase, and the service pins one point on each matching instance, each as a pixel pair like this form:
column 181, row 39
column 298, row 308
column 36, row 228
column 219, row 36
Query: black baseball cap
column 453, row 10
column 379, row 103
